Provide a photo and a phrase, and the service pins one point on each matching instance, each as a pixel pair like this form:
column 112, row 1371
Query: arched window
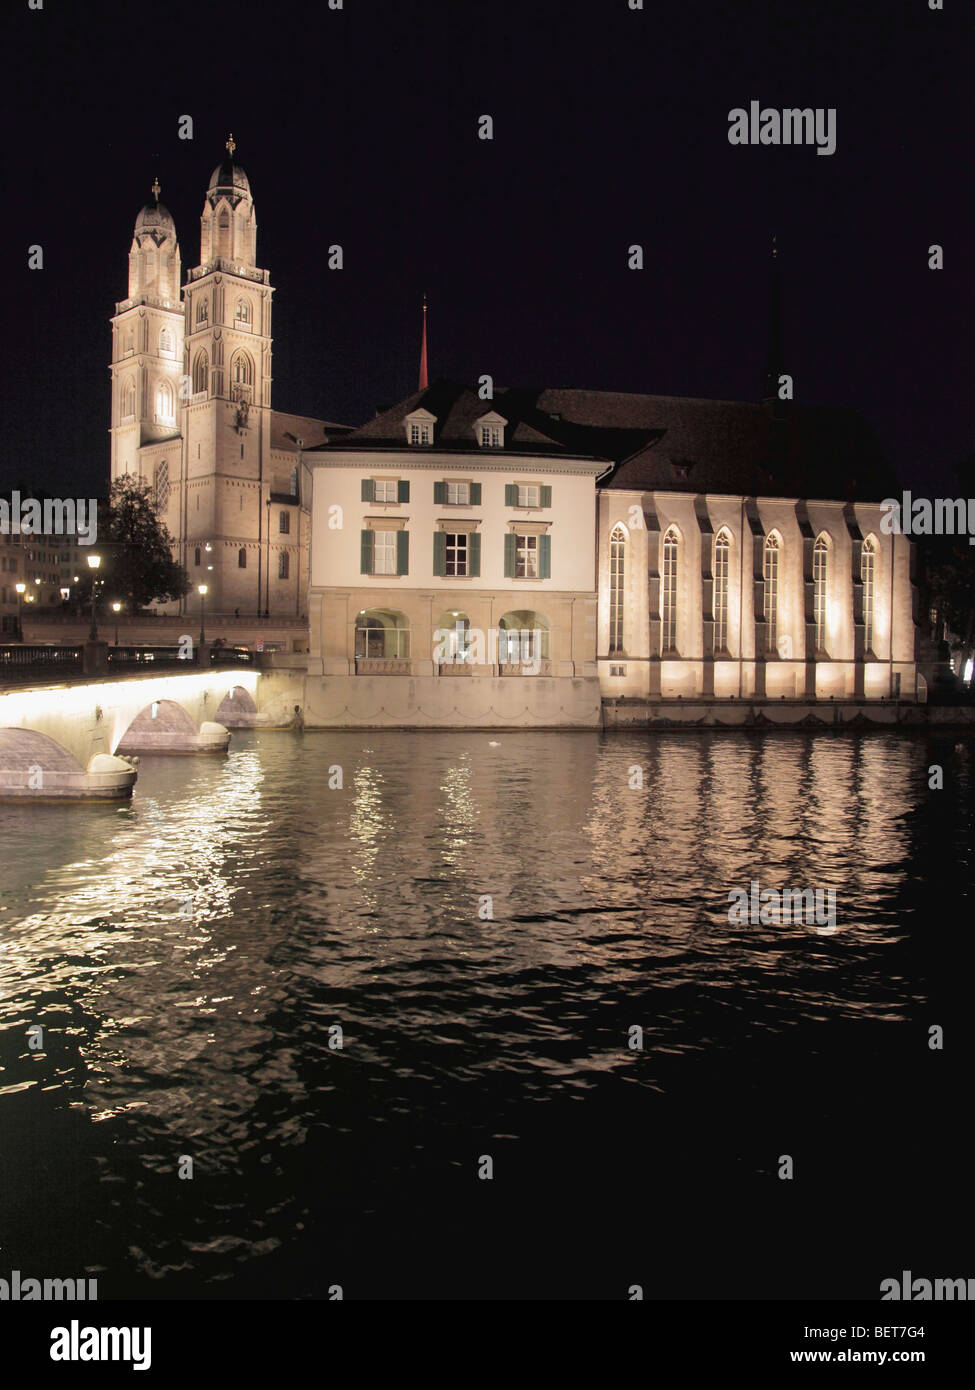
column 164, row 401
column 722, row 551
column 868, row 561
column 223, row 221
column 770, row 573
column 241, row 369
column 128, row 398
column 523, row 637
column 383, row 634
column 820, row 553
column 617, row 575
column 284, row 565
column 668, row 592
column 167, row 342
column 202, row 312
column 242, row 558
column 162, row 485
column 242, row 311
column 201, row 372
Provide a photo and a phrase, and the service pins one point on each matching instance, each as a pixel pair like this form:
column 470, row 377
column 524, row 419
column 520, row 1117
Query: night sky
column 359, row 127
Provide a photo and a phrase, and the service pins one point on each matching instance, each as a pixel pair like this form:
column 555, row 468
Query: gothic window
column 201, row 372
column 820, row 553
column 202, row 313
column 283, row 564
column 241, row 558
column 164, row 401
column 128, row 398
column 617, row 563
column 167, row 343
column 242, row 312
column 770, row 573
column 868, row 561
column 668, row 592
column 162, row 485
column 722, row 551
column 241, row 369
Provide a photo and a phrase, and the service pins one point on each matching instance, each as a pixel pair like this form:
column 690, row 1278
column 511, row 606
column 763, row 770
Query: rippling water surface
column 190, row 956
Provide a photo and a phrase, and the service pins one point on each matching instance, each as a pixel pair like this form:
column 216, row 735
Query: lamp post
column 201, row 589
column 21, row 589
column 116, row 609
column 93, row 563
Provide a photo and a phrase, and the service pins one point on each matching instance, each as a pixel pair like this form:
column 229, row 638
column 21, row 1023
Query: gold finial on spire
column 231, row 146
column 156, row 190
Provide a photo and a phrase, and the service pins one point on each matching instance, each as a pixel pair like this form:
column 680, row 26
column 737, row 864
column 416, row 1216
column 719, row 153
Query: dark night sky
column 359, row 127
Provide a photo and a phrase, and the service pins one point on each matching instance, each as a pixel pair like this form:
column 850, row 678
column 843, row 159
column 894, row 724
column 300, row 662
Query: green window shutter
column 545, row 557
column 403, row 490
column 546, row 496
column 474, row 553
column 440, row 494
column 402, row 552
column 509, row 554
column 368, row 538
column 439, row 552
column 475, row 494
column 367, row 489
column 511, row 494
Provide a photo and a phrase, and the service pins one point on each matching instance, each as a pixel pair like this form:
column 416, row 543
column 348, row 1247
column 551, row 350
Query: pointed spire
column 156, row 190
column 774, row 362
column 424, row 377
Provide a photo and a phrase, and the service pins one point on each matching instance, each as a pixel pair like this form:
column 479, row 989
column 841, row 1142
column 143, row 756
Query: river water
column 486, row 918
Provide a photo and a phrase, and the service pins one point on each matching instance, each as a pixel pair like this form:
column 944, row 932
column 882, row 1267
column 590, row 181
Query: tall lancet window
column 770, row 572
column 820, row 554
column 164, row 401
column 617, row 575
column 722, row 550
column 201, row 372
column 868, row 561
column 668, row 592
column 241, row 371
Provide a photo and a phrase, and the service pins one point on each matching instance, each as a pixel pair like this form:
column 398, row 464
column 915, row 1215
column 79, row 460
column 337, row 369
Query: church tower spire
column 774, row 362
column 424, row 375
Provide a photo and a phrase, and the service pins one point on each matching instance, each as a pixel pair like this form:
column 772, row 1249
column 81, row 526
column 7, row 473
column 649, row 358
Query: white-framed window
column 668, row 593
column 456, row 546
column 617, row 564
column 384, row 490
column 384, row 552
column 722, row 552
column 490, row 436
column 458, row 494
column 770, row 573
column 868, row 561
column 529, row 495
column 420, row 433
column 526, row 557
column 820, row 554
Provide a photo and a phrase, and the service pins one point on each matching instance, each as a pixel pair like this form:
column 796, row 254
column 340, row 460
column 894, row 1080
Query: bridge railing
column 25, row 662
column 232, row 656
column 138, row 658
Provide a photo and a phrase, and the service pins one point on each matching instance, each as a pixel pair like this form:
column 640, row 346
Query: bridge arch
column 237, row 708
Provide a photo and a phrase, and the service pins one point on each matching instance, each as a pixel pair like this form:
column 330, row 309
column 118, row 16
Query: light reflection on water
column 187, row 954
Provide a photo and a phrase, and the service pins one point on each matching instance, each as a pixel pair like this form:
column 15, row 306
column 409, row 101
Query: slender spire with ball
column 424, row 377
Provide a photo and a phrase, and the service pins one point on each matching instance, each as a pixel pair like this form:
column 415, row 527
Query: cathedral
column 556, row 550
column 191, row 406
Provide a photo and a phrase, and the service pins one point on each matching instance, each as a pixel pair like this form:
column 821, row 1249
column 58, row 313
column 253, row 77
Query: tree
column 138, row 566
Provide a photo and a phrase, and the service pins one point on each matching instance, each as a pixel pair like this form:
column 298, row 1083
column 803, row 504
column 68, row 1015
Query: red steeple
column 424, row 379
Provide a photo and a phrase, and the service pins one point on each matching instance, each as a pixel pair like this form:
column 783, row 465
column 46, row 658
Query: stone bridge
column 70, row 732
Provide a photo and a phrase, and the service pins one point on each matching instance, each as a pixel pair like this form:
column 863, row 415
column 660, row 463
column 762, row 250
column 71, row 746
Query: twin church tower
column 191, row 406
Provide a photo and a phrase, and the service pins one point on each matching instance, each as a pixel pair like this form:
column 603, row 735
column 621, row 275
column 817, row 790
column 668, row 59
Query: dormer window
column 419, row 428
column 489, row 430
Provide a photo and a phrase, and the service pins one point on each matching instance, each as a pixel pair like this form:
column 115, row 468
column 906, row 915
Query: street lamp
column 116, row 609
column 201, row 589
column 93, row 562
column 21, row 590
